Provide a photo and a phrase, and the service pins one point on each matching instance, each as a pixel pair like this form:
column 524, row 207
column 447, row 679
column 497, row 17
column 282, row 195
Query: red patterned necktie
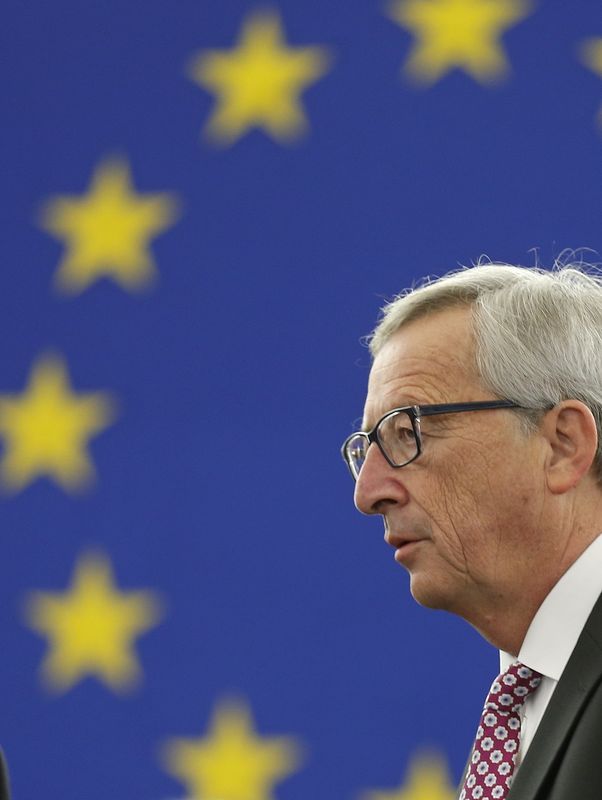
column 494, row 753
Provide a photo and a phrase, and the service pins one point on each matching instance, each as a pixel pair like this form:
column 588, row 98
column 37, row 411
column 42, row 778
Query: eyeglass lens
column 355, row 451
column 396, row 436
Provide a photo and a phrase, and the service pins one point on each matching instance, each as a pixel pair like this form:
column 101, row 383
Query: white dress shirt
column 553, row 634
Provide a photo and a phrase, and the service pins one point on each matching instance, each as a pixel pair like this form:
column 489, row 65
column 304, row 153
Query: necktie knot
column 510, row 689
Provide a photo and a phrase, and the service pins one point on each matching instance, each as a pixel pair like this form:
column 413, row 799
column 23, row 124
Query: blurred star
column 258, row 82
column 428, row 779
column 591, row 54
column 91, row 627
column 107, row 231
column 46, row 429
column 232, row 762
column 461, row 34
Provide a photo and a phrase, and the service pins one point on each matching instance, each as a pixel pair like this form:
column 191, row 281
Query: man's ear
column 570, row 431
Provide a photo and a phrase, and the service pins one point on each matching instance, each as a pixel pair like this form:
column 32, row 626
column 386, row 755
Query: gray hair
column 538, row 333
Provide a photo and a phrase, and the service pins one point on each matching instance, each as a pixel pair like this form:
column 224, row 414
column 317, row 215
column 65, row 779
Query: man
column 481, row 448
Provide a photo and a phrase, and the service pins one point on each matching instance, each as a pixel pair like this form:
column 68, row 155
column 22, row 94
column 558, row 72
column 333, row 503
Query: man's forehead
column 430, row 360
column 412, row 381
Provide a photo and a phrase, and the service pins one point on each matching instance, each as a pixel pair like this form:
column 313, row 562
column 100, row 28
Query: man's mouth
column 398, row 540
column 404, row 544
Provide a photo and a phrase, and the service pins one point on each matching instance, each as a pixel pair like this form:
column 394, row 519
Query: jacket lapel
column 582, row 674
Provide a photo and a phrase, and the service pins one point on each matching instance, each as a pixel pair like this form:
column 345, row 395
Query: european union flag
column 204, row 207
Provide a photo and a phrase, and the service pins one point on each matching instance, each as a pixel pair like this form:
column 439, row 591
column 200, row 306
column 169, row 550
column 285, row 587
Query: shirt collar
column 555, row 628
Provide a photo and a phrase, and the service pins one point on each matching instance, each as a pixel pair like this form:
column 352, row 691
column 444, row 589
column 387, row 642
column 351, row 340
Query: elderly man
column 480, row 447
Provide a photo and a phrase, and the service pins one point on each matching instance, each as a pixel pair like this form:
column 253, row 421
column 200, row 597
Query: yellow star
column 258, row 82
column 232, row 762
column 457, row 33
column 46, row 429
column 91, row 627
column 107, row 230
column 591, row 54
column 428, row 780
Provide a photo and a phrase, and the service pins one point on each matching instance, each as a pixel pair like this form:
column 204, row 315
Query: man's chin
column 428, row 592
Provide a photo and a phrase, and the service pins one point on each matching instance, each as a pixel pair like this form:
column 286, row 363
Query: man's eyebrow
column 366, row 428
column 435, row 420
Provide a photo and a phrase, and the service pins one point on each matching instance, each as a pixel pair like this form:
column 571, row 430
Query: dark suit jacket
column 4, row 792
column 564, row 760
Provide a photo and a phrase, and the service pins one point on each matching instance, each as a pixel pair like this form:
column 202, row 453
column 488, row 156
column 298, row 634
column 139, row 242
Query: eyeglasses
column 397, row 434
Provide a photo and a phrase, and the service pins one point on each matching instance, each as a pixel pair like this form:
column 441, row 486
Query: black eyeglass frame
column 415, row 413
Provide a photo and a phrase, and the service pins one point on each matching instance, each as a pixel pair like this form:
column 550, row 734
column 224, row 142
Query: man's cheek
column 458, row 499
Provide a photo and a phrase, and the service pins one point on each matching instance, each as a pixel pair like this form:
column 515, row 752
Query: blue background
column 220, row 485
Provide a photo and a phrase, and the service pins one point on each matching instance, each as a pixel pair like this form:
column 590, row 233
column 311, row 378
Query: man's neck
column 506, row 618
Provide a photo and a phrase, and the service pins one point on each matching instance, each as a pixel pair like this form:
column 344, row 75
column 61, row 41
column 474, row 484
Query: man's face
column 470, row 504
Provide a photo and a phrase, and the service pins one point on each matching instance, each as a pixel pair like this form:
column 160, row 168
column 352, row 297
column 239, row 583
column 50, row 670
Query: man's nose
column 378, row 484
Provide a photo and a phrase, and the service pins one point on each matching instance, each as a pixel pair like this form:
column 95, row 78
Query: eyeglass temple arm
column 457, row 408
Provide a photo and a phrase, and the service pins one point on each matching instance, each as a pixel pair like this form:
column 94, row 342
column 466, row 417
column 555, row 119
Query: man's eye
column 404, row 433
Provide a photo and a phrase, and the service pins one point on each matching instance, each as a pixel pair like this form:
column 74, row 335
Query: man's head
column 499, row 502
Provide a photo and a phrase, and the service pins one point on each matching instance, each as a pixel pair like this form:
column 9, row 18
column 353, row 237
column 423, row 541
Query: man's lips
column 404, row 545
column 397, row 540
